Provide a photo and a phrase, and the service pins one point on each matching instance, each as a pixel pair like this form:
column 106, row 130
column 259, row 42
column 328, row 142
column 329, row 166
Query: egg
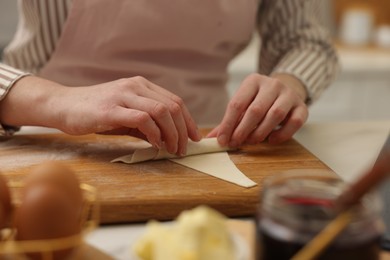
column 59, row 175
column 5, row 202
column 46, row 212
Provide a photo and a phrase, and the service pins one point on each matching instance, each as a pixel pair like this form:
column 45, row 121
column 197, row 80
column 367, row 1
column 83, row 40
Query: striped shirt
column 292, row 42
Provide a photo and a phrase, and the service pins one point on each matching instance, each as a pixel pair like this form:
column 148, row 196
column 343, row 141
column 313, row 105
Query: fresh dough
column 206, row 145
column 218, row 165
column 206, row 156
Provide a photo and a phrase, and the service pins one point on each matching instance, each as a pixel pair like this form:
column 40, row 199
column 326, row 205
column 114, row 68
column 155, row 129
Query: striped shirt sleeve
column 39, row 28
column 8, row 77
column 294, row 42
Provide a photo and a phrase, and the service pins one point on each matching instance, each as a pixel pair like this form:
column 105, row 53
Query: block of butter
column 197, row 234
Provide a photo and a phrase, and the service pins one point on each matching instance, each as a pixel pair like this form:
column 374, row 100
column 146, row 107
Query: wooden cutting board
column 151, row 190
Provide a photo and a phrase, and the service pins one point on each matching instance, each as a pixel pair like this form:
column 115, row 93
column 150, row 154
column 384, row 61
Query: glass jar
column 296, row 206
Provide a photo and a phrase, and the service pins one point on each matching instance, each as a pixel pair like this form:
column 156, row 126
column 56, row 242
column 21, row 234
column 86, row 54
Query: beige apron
column 181, row 45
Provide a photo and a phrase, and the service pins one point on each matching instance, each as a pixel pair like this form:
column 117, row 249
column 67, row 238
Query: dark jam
column 273, row 246
column 272, row 249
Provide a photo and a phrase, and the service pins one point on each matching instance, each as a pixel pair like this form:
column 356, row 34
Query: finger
column 134, row 132
column 181, row 127
column 235, row 110
column 191, row 127
column 253, row 115
column 184, row 123
column 160, row 113
column 275, row 115
column 177, row 115
column 213, row 133
column 135, row 119
column 178, row 119
column 293, row 123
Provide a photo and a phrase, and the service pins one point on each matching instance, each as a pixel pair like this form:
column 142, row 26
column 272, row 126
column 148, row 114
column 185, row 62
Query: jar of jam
column 296, row 206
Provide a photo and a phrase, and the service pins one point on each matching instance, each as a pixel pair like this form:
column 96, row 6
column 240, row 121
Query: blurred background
column 361, row 93
column 361, row 32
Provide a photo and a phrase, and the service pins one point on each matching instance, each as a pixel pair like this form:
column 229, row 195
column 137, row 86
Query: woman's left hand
column 272, row 107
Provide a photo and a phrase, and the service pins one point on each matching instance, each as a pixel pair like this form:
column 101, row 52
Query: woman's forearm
column 31, row 101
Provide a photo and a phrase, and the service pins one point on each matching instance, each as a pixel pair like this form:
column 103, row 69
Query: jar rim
column 312, row 217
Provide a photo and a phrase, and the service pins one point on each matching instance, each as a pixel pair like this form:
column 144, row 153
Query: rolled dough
column 206, row 156
column 206, row 145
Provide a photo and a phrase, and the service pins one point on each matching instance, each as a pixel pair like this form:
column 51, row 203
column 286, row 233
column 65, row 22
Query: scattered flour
column 23, row 152
column 11, row 162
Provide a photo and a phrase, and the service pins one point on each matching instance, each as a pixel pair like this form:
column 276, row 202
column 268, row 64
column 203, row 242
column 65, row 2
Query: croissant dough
column 217, row 165
column 207, row 145
column 206, row 156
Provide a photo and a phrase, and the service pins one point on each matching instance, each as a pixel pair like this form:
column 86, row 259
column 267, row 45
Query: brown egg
column 5, row 202
column 46, row 212
column 59, row 175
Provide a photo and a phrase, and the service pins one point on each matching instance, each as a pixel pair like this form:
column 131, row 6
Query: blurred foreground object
column 297, row 205
column 198, row 234
column 346, row 205
column 53, row 212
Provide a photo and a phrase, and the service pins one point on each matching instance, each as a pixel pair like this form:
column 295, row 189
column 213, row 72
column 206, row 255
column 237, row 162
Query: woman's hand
column 263, row 107
column 132, row 106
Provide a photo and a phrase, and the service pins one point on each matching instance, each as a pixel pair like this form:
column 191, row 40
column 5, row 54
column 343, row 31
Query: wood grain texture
column 151, row 190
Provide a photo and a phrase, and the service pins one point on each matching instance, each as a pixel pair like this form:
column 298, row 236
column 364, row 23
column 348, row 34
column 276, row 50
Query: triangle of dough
column 218, row 165
column 206, row 156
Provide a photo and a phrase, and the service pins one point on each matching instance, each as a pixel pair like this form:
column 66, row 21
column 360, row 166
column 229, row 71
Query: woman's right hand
column 132, row 106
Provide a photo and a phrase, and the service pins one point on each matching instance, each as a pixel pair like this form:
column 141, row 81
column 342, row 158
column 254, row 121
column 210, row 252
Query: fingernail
column 172, row 150
column 183, row 152
column 175, row 149
column 223, row 140
column 158, row 145
column 199, row 134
